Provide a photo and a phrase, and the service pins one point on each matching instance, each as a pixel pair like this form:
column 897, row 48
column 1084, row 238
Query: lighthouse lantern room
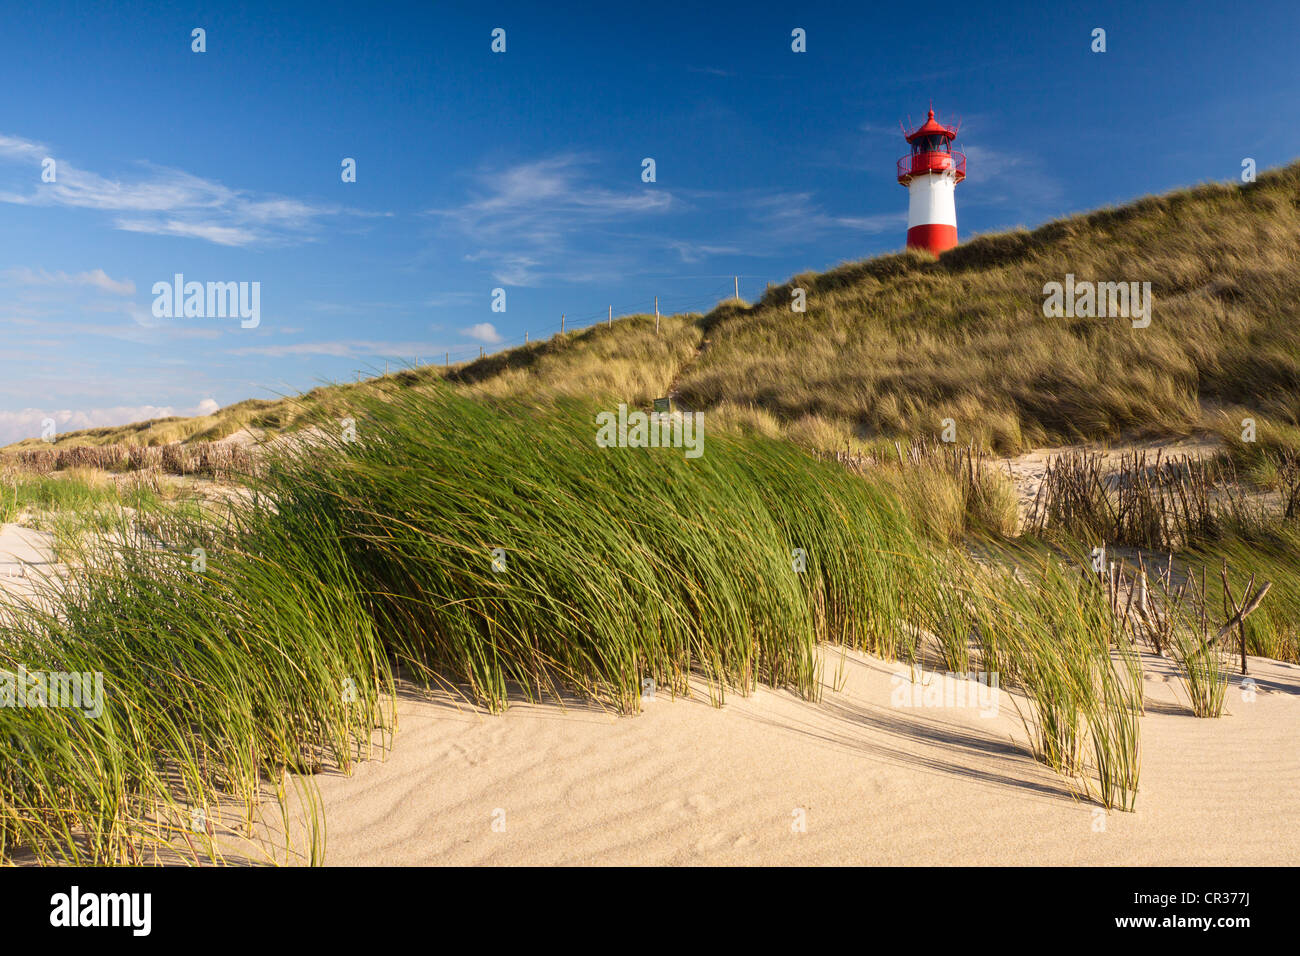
column 931, row 173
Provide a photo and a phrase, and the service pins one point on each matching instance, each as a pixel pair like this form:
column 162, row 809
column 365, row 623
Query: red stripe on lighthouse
column 933, row 236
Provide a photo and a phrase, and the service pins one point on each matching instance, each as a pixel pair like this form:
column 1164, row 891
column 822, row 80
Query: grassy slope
column 891, row 346
column 894, row 345
column 626, row 360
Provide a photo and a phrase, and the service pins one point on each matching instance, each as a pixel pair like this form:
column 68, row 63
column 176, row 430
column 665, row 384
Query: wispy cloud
column 1007, row 178
column 524, row 218
column 160, row 200
column 796, row 217
column 698, row 251
column 893, row 133
column 96, row 278
column 85, row 305
column 342, row 348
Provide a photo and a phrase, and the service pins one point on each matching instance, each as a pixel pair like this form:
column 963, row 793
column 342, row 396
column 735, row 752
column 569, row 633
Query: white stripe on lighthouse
column 930, row 200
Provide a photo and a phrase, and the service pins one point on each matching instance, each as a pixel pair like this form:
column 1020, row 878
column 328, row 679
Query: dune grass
column 72, row 491
column 496, row 549
column 473, row 534
column 952, row 492
column 627, row 359
column 1044, row 624
column 1202, row 511
column 1274, row 629
column 82, row 502
column 216, row 675
column 614, row 564
column 894, row 345
column 1203, row 670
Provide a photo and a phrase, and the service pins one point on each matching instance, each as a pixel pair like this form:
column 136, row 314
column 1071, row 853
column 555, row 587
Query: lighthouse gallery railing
column 916, row 164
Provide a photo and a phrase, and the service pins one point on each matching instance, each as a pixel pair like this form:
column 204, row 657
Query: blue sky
column 522, row 170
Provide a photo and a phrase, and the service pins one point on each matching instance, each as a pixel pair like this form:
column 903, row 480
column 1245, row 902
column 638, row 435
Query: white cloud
column 511, row 268
column 1004, row 178
column 796, row 216
column 346, row 348
column 212, row 232
column 96, row 278
column 163, row 201
column 483, row 332
column 17, row 148
column 698, row 251
column 28, row 422
column 526, row 215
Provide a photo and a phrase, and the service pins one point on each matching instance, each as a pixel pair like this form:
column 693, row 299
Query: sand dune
column 872, row 783
column 772, row 779
column 26, row 559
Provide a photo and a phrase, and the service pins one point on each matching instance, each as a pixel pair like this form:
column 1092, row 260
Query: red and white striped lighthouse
column 931, row 173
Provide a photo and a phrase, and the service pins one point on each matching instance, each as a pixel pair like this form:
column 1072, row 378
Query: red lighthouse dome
column 931, row 172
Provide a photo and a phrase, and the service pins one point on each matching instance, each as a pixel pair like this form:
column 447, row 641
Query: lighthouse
column 931, row 172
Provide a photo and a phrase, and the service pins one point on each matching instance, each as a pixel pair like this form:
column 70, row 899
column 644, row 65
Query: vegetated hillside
column 627, row 361
column 890, row 347
column 493, row 548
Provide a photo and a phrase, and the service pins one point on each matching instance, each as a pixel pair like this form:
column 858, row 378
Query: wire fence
column 676, row 304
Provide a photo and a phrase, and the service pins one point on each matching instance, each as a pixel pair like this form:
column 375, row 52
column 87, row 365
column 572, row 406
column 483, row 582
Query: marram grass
column 214, row 683
column 497, row 549
column 507, row 550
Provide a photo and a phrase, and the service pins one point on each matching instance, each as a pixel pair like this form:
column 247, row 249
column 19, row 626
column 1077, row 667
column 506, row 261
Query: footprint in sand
column 696, row 805
column 471, row 757
column 719, row 841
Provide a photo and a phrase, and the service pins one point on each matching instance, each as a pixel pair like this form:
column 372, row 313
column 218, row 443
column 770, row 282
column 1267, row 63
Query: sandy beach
column 852, row 779
column 872, row 773
column 26, row 559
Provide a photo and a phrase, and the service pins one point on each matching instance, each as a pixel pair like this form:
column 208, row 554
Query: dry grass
column 627, row 360
column 1162, row 503
column 253, row 413
column 1199, row 510
column 949, row 491
column 211, row 459
column 892, row 346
